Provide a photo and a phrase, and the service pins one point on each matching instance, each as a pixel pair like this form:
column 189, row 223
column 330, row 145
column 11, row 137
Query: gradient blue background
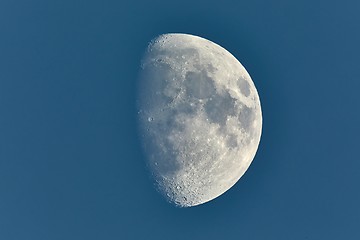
column 71, row 166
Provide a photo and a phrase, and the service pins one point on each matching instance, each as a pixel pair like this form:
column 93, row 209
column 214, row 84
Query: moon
column 199, row 118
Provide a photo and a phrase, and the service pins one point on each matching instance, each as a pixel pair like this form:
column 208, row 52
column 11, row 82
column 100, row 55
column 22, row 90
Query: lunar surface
column 199, row 118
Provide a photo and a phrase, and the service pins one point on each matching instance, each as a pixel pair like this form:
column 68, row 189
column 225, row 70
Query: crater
column 244, row 86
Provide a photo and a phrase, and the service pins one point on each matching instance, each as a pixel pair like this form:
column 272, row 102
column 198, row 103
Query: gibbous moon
column 199, row 118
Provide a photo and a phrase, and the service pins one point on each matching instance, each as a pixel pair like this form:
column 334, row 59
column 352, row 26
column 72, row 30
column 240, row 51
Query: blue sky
column 71, row 165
